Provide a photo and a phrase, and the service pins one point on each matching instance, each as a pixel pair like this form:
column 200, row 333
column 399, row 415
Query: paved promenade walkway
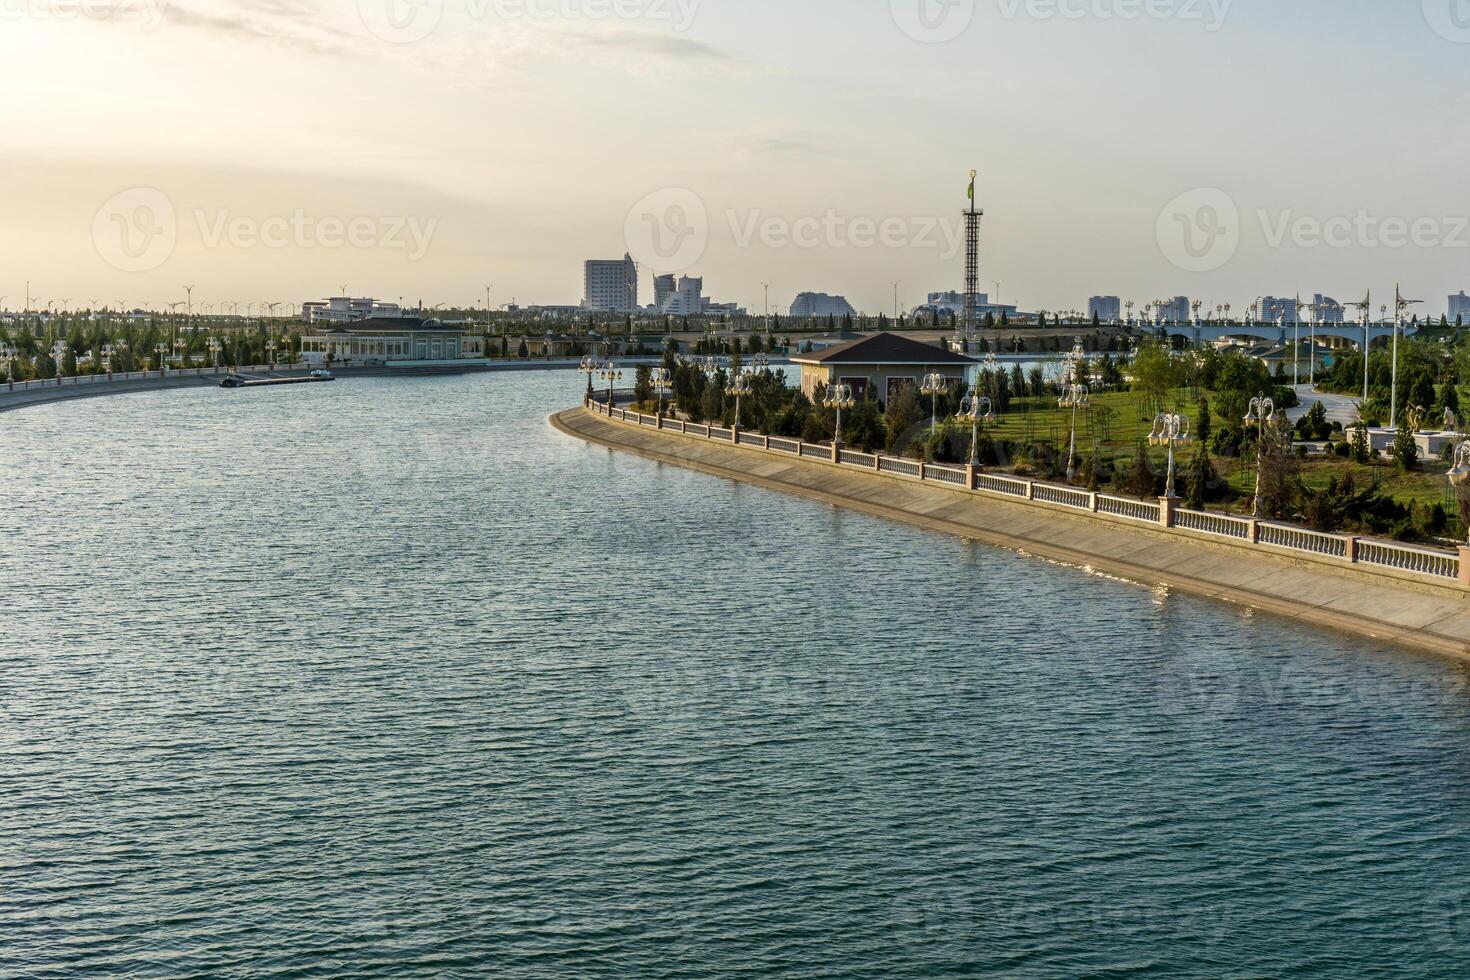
column 1340, row 408
column 1428, row 618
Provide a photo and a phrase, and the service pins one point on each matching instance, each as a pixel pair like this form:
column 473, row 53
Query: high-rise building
column 1175, row 310
column 687, row 299
column 1278, row 309
column 1460, row 306
column 821, row 304
column 1105, row 308
column 610, row 286
column 1274, row 309
column 1325, row 309
column 663, row 288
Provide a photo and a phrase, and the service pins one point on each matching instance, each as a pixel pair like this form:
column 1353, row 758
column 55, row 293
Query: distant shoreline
column 98, row 386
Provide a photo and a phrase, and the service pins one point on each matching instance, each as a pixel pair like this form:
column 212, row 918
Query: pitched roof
column 391, row 324
column 884, row 348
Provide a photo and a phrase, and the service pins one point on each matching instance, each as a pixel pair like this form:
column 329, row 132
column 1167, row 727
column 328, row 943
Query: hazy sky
column 276, row 150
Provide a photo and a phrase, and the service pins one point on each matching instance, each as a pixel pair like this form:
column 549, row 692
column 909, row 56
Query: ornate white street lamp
column 270, row 350
column 839, row 396
column 934, row 385
column 1261, row 415
column 739, row 387
column 58, row 354
column 7, row 358
column 215, row 348
column 662, row 382
column 976, row 409
column 1170, row 430
column 1074, row 396
column 610, row 372
column 161, row 350
column 1460, row 473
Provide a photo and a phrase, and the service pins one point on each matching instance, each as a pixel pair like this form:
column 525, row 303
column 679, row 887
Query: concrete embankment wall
column 1424, row 617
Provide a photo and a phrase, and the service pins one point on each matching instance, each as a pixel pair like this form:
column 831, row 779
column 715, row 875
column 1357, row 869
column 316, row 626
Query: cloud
column 668, row 47
column 271, row 21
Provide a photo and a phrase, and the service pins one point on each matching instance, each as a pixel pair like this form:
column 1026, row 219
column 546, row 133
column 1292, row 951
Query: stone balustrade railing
column 1440, row 567
column 149, row 375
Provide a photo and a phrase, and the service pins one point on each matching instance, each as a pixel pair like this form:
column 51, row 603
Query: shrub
column 1405, row 448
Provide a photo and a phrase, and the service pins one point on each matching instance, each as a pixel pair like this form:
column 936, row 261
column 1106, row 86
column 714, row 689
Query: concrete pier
column 1336, row 596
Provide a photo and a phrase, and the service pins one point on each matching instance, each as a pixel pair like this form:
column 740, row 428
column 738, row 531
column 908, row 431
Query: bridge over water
column 1275, row 333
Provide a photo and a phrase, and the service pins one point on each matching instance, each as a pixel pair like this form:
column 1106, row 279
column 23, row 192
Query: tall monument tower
column 972, row 262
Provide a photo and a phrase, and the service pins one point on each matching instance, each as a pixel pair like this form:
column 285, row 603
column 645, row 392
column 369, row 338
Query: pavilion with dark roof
column 881, row 364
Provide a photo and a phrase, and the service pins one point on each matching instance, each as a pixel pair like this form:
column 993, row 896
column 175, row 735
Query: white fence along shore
column 1400, row 560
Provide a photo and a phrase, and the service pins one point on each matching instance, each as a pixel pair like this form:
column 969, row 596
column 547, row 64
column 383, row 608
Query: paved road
column 1340, row 408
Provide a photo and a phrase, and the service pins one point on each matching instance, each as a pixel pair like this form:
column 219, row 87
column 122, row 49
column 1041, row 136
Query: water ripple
column 388, row 678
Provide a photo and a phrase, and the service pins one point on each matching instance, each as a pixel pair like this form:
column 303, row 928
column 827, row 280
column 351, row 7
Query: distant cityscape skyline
column 803, row 164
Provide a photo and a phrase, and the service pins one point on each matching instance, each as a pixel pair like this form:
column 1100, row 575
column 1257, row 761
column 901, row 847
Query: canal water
column 388, row 678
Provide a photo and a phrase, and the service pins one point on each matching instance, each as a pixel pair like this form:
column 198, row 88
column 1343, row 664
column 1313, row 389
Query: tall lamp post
column 662, row 382
column 58, row 354
column 1460, row 474
column 739, row 387
column 1074, row 396
column 839, row 396
column 590, row 366
column 1170, row 430
column 976, row 409
column 934, row 385
column 1262, row 416
column 610, row 372
column 7, row 357
column 161, row 349
column 215, row 348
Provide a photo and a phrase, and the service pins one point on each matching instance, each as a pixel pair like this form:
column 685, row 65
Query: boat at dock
column 240, row 381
